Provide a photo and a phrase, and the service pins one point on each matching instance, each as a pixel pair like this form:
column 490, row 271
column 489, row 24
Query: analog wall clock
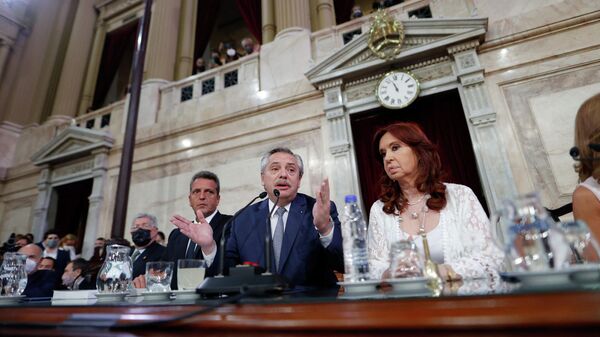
column 397, row 89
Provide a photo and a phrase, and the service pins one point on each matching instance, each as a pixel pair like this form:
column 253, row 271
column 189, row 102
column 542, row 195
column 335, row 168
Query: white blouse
column 465, row 240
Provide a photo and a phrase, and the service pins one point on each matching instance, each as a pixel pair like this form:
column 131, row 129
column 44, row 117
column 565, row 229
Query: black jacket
column 154, row 252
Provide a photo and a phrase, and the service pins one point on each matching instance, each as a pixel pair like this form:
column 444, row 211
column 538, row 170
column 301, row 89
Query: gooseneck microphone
column 262, row 195
column 269, row 234
column 575, row 153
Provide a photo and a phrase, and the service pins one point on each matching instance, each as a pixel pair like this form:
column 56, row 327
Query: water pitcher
column 13, row 275
column 115, row 274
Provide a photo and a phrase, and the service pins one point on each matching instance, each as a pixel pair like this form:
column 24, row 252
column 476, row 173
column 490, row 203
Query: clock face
column 397, row 89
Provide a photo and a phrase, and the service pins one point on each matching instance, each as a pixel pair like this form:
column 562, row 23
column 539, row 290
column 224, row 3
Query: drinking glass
column 190, row 272
column 583, row 246
column 405, row 260
column 158, row 276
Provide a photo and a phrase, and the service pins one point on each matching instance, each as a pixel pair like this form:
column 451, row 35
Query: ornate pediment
column 74, row 142
column 425, row 39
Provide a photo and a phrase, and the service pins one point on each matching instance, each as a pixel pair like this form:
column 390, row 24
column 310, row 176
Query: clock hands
column 395, row 86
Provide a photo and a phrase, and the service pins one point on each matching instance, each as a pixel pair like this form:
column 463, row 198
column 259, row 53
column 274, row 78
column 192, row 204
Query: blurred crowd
column 226, row 52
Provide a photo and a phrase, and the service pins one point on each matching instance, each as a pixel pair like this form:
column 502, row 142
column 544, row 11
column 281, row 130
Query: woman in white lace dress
column 415, row 200
column 586, row 198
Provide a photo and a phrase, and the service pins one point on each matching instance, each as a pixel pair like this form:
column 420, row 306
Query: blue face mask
column 141, row 237
column 52, row 243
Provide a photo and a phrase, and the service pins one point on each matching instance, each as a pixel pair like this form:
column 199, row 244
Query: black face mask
column 141, row 237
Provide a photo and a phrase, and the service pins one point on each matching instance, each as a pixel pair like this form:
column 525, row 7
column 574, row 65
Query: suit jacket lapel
column 292, row 226
column 261, row 232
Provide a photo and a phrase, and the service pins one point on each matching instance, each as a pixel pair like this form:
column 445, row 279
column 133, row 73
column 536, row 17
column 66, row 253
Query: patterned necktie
column 278, row 235
column 135, row 255
column 191, row 251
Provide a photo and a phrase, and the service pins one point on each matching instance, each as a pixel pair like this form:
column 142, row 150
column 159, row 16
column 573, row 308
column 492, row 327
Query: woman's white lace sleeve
column 377, row 243
column 480, row 256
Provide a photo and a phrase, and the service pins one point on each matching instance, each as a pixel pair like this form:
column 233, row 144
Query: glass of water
column 158, row 276
column 190, row 273
column 405, row 261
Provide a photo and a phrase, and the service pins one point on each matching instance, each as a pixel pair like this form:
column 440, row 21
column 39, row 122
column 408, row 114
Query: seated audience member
column 46, row 263
column 50, row 245
column 21, row 240
column 249, row 46
column 216, row 59
column 68, row 243
column 76, row 276
column 40, row 283
column 356, row 12
column 231, row 54
column 29, row 237
column 144, row 232
column 160, row 238
column 414, row 201
column 307, row 240
column 200, row 66
column 586, row 198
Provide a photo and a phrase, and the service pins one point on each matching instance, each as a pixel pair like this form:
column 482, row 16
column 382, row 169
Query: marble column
column 492, row 160
column 96, row 201
column 162, row 40
column 40, row 210
column 75, row 63
column 292, row 13
column 268, row 22
column 4, row 51
column 342, row 171
column 326, row 13
column 185, row 46
column 93, row 66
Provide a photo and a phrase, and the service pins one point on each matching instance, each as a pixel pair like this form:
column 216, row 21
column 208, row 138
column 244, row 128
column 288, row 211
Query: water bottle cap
column 350, row 198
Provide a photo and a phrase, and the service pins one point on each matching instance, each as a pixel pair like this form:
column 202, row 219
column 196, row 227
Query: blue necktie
column 278, row 235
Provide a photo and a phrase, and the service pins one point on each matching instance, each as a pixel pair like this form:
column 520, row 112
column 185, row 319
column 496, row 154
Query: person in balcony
column 249, row 46
column 200, row 66
column 356, row 12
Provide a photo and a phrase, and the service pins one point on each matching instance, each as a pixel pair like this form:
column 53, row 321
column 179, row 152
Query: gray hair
column 206, row 175
column 152, row 218
column 265, row 159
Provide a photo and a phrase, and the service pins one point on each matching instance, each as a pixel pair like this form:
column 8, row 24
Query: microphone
column 269, row 234
column 575, row 153
column 262, row 195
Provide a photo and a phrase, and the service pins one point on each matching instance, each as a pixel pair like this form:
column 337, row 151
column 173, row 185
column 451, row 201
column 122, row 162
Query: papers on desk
column 74, row 297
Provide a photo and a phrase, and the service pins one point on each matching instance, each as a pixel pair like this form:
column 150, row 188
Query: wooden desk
column 547, row 314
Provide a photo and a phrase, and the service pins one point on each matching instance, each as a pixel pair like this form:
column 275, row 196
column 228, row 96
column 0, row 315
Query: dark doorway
column 442, row 118
column 115, row 66
column 72, row 209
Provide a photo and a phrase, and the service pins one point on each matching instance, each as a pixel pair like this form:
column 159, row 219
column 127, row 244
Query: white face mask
column 30, row 266
column 231, row 52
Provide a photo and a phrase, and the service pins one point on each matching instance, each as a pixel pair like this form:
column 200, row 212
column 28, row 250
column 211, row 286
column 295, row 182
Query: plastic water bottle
column 357, row 259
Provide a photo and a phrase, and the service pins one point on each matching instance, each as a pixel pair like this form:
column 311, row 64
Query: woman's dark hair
column 429, row 167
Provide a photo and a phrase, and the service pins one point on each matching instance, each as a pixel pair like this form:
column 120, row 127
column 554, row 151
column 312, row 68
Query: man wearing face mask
column 40, row 283
column 143, row 234
column 50, row 246
column 74, row 277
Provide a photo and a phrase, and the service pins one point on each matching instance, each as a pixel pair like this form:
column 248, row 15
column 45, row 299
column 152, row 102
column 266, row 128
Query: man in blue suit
column 309, row 247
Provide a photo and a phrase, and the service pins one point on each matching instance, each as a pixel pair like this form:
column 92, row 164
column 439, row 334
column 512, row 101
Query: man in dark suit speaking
column 204, row 198
column 306, row 232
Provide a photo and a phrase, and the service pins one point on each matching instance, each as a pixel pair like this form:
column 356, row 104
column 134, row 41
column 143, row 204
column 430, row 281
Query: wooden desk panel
column 544, row 313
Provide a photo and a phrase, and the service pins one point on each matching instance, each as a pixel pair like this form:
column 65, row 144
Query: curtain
column 208, row 11
column 343, row 9
column 442, row 119
column 115, row 45
column 251, row 12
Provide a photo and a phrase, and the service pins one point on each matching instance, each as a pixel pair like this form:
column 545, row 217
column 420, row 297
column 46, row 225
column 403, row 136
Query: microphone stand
column 269, row 235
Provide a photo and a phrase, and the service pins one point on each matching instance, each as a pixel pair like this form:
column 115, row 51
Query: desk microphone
column 262, row 195
column 269, row 234
column 576, row 154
